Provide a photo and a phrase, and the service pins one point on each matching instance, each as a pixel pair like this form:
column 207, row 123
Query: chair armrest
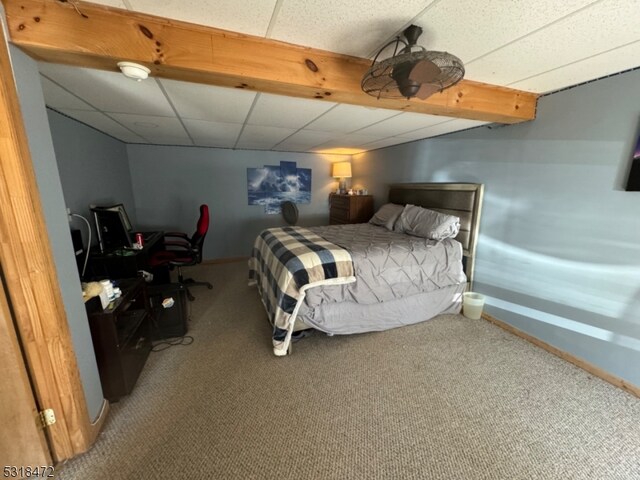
column 182, row 248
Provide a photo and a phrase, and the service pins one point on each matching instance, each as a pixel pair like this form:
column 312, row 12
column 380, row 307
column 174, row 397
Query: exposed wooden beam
column 88, row 35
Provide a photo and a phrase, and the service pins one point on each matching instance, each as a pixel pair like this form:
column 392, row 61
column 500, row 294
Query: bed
column 346, row 279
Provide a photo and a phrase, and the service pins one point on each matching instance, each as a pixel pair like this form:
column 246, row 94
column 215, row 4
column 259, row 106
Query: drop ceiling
column 537, row 46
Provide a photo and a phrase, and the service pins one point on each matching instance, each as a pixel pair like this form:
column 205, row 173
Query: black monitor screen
column 112, row 227
column 633, row 182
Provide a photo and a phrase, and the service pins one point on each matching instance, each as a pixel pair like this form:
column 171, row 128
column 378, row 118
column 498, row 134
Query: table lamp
column 341, row 170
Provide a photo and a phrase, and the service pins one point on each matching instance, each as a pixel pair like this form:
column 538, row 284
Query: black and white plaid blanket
column 287, row 261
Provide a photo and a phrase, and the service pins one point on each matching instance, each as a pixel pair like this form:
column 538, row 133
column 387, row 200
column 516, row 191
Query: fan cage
column 378, row 81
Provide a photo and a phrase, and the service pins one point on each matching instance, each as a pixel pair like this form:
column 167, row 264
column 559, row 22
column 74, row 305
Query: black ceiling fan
column 411, row 71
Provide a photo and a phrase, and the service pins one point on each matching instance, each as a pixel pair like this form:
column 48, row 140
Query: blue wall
column 48, row 179
column 170, row 183
column 93, row 167
column 559, row 247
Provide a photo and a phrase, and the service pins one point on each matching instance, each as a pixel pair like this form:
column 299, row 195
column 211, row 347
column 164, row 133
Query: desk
column 121, row 335
column 124, row 263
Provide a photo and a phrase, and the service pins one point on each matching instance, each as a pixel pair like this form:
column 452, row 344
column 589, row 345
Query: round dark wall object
column 290, row 212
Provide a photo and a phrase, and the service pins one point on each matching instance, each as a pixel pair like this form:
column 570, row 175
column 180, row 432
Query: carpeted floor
column 451, row 398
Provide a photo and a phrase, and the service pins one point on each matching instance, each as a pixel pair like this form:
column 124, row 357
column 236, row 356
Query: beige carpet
column 447, row 399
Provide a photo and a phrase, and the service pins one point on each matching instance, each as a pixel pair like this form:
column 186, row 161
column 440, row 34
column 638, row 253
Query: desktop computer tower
column 168, row 322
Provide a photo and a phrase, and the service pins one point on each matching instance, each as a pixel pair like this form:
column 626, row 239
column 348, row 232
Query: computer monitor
column 113, row 227
column 633, row 182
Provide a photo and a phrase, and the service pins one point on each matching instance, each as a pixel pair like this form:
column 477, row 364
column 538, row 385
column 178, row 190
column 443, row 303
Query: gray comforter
column 408, row 278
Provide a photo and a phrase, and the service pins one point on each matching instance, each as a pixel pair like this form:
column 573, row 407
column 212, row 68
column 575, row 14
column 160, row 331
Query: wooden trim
column 578, row 362
column 217, row 261
column 32, row 283
column 96, row 426
column 22, row 439
column 95, row 36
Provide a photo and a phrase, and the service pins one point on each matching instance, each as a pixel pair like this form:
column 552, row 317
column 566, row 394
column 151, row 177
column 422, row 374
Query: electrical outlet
column 69, row 217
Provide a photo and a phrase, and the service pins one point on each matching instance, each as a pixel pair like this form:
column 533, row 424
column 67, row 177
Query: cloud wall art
column 272, row 185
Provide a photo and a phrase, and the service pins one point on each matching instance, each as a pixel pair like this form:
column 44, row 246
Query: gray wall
column 559, row 247
column 46, row 171
column 170, row 183
column 93, row 167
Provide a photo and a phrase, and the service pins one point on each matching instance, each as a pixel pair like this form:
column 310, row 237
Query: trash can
column 472, row 304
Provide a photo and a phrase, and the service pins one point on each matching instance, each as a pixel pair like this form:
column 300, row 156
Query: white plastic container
column 108, row 288
column 472, row 304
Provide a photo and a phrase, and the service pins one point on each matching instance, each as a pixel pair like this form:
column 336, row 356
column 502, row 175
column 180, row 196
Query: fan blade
column 426, row 90
column 424, row 71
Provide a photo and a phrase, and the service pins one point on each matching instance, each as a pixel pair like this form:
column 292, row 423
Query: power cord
column 86, row 257
column 172, row 342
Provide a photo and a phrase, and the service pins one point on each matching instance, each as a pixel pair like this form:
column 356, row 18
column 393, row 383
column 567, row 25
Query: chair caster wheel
column 210, row 287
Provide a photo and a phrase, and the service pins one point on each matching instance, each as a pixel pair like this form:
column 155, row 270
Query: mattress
column 400, row 279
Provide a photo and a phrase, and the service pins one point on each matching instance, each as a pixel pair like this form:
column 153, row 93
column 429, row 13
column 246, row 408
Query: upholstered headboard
column 463, row 200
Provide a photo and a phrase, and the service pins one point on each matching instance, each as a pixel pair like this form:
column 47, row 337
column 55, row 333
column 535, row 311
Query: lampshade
column 341, row 170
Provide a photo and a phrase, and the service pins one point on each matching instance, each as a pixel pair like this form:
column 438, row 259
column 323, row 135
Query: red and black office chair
column 182, row 251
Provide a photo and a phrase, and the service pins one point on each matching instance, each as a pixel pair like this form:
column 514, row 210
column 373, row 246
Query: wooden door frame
column 24, row 441
column 32, row 282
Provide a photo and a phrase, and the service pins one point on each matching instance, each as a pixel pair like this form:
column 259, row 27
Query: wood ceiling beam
column 89, row 35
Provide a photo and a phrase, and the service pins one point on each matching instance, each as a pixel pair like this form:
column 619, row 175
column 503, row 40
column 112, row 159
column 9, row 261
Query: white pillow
column 387, row 215
column 426, row 223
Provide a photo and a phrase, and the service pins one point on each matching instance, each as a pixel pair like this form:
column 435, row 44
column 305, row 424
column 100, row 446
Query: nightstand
column 350, row 209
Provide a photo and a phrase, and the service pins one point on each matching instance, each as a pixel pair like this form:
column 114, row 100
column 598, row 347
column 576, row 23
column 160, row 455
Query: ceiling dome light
column 411, row 71
column 134, row 71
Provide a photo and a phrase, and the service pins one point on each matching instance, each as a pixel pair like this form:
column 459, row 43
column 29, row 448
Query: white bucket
column 472, row 304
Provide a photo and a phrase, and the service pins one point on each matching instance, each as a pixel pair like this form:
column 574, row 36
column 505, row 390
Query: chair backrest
column 197, row 239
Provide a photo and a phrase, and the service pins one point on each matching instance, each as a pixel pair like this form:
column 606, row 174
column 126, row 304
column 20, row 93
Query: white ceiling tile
column 307, row 138
column 291, row 148
column 347, row 118
column 468, row 28
column 255, row 146
column 287, row 112
column 244, row 16
column 603, row 26
column 213, row 134
column 387, row 142
column 101, row 122
column 601, row 65
column 58, row 98
column 348, row 141
column 110, row 91
column 206, row 102
column 344, row 27
column 254, row 136
column 161, row 130
column 172, row 140
column 402, row 123
column 442, row 128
